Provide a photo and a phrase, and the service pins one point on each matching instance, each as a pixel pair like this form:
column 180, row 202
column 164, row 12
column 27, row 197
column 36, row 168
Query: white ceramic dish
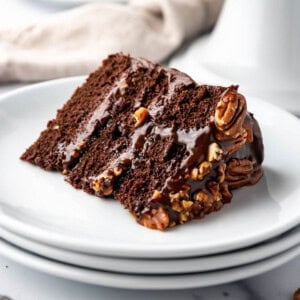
column 160, row 266
column 42, row 206
column 145, row 282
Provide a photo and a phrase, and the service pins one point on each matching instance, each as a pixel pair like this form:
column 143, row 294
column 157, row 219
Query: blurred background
column 255, row 44
column 251, row 43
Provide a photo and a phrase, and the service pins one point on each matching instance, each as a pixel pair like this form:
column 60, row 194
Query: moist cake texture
column 170, row 150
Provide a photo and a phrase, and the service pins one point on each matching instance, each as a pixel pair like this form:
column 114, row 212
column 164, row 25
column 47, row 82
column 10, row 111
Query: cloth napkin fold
column 75, row 42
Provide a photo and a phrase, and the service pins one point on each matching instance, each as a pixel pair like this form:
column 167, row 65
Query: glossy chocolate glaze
column 195, row 141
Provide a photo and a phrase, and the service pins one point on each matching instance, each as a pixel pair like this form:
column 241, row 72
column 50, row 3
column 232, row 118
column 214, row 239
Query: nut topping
column 156, row 195
column 204, row 169
column 181, row 203
column 238, row 171
column 240, row 166
column 221, row 173
column 195, row 173
column 104, row 184
column 155, row 219
column 199, row 173
column 214, row 189
column 226, row 194
column 186, row 204
column 201, row 196
column 183, row 217
column 140, row 115
column 65, row 172
column 230, row 113
column 215, row 152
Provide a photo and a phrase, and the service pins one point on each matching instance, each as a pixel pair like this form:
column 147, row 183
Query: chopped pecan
column 155, row 219
column 183, row 217
column 214, row 189
column 199, row 173
column 176, row 199
column 201, row 196
column 194, row 173
column 176, row 205
column 156, row 195
column 221, row 172
column 230, row 114
column 140, row 116
column 103, row 184
column 204, row 169
column 181, row 195
column 215, row 152
column 186, row 204
column 65, row 172
column 181, row 203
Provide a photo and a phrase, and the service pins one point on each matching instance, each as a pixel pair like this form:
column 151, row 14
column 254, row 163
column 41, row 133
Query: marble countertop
column 22, row 283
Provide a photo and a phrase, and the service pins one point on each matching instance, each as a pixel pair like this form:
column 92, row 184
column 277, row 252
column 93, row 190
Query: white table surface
column 22, row 283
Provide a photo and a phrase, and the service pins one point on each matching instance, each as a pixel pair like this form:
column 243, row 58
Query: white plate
column 160, row 266
column 42, row 206
column 163, row 282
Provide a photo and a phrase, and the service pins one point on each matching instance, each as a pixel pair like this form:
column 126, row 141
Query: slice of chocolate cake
column 168, row 149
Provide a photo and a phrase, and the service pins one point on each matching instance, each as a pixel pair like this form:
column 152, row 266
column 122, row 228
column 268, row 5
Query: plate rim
column 158, row 266
column 138, row 282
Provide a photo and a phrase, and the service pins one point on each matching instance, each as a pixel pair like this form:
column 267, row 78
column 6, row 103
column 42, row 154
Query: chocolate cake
column 170, row 150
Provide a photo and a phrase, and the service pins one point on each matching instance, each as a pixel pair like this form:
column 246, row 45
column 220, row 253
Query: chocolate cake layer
column 168, row 149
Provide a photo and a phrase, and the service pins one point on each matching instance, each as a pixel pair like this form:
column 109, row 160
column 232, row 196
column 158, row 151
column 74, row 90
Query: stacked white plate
column 48, row 225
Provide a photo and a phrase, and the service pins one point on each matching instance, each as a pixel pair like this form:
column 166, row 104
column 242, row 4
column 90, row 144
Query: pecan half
column 238, row 172
column 230, row 114
column 237, row 143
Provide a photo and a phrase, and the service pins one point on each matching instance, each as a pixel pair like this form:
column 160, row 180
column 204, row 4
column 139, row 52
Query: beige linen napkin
column 75, row 42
